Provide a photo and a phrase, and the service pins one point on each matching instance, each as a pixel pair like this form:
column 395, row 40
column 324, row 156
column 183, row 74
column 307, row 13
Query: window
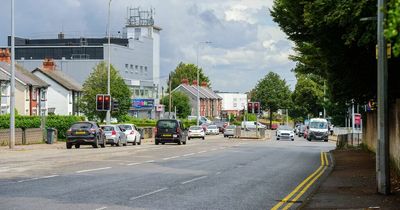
column 141, row 92
column 126, row 66
column 137, row 92
column 70, row 98
column 43, row 94
column 146, row 93
column 131, row 66
column 34, row 93
column 136, row 67
column 145, row 68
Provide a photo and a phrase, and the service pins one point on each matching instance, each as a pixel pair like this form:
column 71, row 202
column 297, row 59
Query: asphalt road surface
column 213, row 174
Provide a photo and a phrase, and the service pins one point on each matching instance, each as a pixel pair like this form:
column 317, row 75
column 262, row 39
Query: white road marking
column 150, row 161
column 133, row 164
column 204, row 151
column 169, row 158
column 95, row 169
column 195, row 179
column 102, row 208
column 37, row 178
column 190, row 154
column 147, row 194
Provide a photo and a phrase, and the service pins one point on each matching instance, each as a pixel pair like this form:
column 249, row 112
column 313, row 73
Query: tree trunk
column 270, row 118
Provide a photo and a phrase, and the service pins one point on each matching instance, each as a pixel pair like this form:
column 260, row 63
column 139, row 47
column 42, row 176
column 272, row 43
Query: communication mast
column 137, row 17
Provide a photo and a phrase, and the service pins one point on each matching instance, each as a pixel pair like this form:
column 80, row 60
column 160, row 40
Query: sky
column 245, row 42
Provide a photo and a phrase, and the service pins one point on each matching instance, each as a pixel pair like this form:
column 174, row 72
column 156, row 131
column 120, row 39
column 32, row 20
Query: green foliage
column 182, row 103
column 393, row 25
column 187, row 123
column 62, row 123
column 251, row 117
column 20, row 121
column 307, row 98
column 272, row 92
column 96, row 83
column 187, row 71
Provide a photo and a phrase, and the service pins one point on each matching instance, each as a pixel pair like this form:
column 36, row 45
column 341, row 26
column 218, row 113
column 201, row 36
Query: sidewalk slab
column 352, row 185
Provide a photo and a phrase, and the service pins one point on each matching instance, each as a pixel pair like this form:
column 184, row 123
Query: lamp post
column 198, row 79
column 108, row 115
column 12, row 91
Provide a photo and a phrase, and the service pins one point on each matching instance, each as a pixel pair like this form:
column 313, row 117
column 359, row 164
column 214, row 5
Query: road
column 213, row 174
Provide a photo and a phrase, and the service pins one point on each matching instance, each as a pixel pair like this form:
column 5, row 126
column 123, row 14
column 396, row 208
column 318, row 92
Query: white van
column 252, row 125
column 318, row 129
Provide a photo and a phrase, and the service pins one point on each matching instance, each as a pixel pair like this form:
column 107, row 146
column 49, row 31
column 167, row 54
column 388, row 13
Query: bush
column 62, row 123
column 20, row 121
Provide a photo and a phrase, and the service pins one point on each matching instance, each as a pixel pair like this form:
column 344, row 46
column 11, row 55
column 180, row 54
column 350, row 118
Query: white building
column 63, row 93
column 233, row 102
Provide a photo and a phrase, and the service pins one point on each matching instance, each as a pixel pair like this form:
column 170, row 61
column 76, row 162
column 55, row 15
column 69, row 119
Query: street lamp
column 12, row 91
column 108, row 115
column 198, row 79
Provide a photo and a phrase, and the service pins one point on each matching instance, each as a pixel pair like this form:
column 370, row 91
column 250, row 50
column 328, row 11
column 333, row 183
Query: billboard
column 140, row 103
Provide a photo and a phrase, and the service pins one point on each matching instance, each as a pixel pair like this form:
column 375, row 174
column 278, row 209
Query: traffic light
column 250, row 107
column 256, row 107
column 99, row 102
column 107, row 102
column 115, row 105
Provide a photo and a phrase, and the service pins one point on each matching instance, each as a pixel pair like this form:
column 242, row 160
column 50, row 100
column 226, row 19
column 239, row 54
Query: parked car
column 196, row 132
column 170, row 131
column 212, row 130
column 221, row 125
column 85, row 133
column 132, row 134
column 230, row 131
column 114, row 135
column 318, row 129
column 285, row 132
column 301, row 131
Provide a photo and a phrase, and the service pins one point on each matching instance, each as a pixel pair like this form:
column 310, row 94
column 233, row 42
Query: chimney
column 194, row 83
column 185, row 81
column 48, row 64
column 61, row 35
column 204, row 84
column 5, row 55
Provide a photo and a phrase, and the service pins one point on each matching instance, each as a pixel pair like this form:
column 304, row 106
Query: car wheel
column 326, row 140
column 134, row 143
column 179, row 142
column 224, row 136
column 188, row 138
column 277, row 139
column 140, row 142
column 292, row 139
column 68, row 145
column 203, row 138
column 156, row 142
column 77, row 146
column 118, row 143
column 112, row 144
column 184, row 142
column 103, row 145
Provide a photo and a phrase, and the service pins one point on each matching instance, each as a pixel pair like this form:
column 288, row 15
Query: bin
column 51, row 133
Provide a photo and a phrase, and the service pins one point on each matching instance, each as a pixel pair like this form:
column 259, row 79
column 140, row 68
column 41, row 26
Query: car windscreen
column 166, row 124
column 107, row 128
column 81, row 126
column 126, row 127
column 318, row 125
column 195, row 128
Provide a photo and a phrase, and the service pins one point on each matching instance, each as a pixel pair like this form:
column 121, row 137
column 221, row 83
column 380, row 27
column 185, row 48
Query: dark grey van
column 170, row 131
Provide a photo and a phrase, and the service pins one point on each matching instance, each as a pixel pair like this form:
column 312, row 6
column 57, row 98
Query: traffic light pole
column 108, row 115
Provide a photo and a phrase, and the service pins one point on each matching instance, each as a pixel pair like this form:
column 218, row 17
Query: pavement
column 352, row 185
column 218, row 173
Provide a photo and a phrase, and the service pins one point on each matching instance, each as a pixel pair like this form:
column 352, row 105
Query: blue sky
column 246, row 43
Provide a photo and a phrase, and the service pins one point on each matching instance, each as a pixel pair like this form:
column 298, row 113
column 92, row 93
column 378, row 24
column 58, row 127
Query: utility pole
column 170, row 97
column 198, row 80
column 108, row 115
column 382, row 152
column 324, row 99
column 12, row 94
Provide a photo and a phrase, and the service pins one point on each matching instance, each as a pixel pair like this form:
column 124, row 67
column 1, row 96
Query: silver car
column 114, row 135
column 230, row 131
column 132, row 134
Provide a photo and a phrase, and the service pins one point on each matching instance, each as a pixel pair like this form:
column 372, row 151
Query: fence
column 349, row 139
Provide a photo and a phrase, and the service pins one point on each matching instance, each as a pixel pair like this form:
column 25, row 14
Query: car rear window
column 107, row 128
column 212, row 126
column 196, row 128
column 81, row 126
column 231, row 127
column 126, row 127
column 166, row 124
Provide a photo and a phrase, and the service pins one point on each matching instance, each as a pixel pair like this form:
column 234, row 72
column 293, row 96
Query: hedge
column 61, row 123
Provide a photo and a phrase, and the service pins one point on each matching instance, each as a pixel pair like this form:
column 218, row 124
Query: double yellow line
column 290, row 199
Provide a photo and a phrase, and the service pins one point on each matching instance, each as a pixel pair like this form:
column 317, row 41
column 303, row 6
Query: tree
column 187, row 71
column 96, row 83
column 393, row 25
column 273, row 93
column 181, row 101
column 307, row 97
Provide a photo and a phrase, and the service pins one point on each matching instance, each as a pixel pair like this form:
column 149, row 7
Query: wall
column 57, row 96
column 370, row 132
column 29, row 136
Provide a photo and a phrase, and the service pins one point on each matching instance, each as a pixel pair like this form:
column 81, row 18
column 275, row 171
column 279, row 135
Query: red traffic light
column 256, row 107
column 106, row 98
column 250, row 107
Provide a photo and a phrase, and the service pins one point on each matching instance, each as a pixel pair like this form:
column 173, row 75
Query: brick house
column 210, row 102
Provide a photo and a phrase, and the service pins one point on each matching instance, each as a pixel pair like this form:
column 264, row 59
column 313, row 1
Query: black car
column 170, row 131
column 85, row 133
